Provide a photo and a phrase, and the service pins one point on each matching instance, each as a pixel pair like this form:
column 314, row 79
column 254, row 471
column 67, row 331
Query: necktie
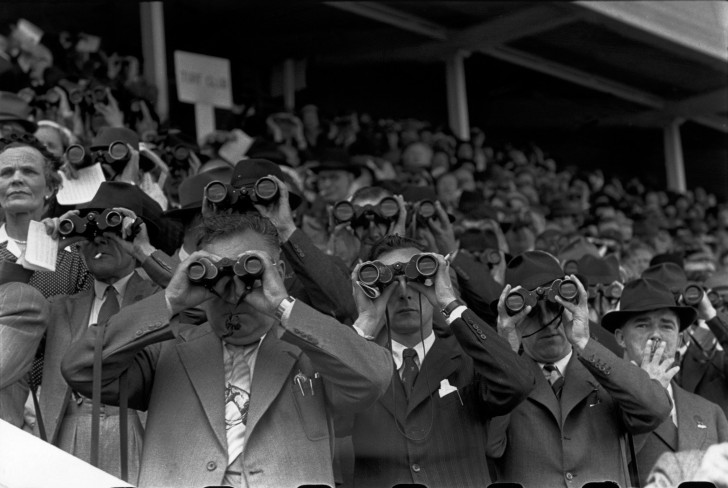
column 409, row 370
column 237, row 399
column 110, row 305
column 554, row 377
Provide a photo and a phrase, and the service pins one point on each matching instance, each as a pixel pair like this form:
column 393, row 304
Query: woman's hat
column 646, row 295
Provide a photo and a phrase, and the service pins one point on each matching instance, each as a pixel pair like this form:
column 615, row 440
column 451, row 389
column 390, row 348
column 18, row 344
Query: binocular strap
column 558, row 316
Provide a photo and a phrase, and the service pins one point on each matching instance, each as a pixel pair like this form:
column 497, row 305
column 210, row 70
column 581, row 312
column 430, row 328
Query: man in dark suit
column 429, row 428
column 571, row 428
column 647, row 326
column 248, row 396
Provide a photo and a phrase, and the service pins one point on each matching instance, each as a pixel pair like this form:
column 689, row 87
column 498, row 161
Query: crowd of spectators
column 351, row 181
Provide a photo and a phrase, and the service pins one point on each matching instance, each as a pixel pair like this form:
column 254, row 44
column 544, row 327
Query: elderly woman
column 28, row 181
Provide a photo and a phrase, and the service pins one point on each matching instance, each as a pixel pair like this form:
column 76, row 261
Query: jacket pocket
column 311, row 407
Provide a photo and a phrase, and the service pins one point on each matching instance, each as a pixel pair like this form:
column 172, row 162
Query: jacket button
column 416, row 468
column 569, row 476
column 211, row 466
column 139, row 333
column 482, row 336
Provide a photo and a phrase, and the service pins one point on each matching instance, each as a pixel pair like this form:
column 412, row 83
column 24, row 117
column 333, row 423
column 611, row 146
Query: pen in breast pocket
column 299, row 379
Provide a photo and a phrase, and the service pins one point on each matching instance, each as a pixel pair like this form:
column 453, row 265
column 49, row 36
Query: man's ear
column 619, row 337
column 281, row 267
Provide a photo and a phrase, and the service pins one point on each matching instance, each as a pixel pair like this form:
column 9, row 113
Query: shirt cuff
column 284, row 309
column 456, row 314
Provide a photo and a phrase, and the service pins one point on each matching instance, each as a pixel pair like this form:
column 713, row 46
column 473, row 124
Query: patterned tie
column 110, row 305
column 237, row 399
column 552, row 374
column 409, row 370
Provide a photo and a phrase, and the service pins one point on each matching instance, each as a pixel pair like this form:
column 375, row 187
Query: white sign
column 203, row 79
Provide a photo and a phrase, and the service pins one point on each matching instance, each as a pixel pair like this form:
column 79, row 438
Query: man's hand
column 577, row 317
column 111, row 112
column 714, row 466
column 659, row 369
column 498, row 271
column 441, row 293
column 272, row 291
column 442, row 230
column 279, row 212
column 371, row 312
column 706, row 310
column 181, row 293
column 139, row 247
column 399, row 227
column 52, row 226
column 507, row 324
column 130, row 174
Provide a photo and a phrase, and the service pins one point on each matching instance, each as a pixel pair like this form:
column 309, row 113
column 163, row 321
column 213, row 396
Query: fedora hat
column 598, row 270
column 191, row 193
column 248, row 171
column 335, row 159
column 162, row 232
column 14, row 109
column 646, row 295
column 669, row 274
column 532, row 269
column 109, row 135
column 577, row 249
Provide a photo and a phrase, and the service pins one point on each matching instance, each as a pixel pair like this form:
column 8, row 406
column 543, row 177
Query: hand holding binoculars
column 521, row 298
column 94, row 223
column 264, row 191
column 207, row 272
column 378, row 275
column 693, row 294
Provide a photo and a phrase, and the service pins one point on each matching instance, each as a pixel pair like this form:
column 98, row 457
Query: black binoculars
column 491, row 257
column 378, row 275
column 387, row 209
column 207, row 272
column 118, row 154
column 693, row 294
column 426, row 209
column 92, row 224
column 608, row 291
column 223, row 195
column 517, row 300
column 90, row 96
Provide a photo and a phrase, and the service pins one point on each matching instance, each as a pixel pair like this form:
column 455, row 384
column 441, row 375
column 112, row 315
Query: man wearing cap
column 570, row 430
column 647, row 326
column 704, row 365
column 66, row 416
column 14, row 115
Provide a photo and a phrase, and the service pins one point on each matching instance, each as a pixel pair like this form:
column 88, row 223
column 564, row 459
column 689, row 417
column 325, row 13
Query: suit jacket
column 68, row 321
column 177, row 374
column 318, row 279
column 708, row 376
column 447, row 444
column 547, row 442
column 700, row 424
column 23, row 316
column 674, row 468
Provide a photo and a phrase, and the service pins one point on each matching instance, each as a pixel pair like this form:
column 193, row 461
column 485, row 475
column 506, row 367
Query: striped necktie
column 554, row 377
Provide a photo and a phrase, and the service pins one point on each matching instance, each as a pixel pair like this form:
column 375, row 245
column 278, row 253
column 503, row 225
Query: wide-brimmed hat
column 598, row 270
column 109, row 135
column 335, row 159
column 191, row 193
column 532, row 269
column 14, row 109
column 577, row 249
column 646, row 295
column 119, row 194
column 248, row 171
column 669, row 274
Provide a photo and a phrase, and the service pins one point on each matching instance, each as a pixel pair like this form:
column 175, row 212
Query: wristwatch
column 285, row 305
column 450, row 307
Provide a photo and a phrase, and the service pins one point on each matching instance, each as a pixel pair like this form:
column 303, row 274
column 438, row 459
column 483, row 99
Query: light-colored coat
column 289, row 435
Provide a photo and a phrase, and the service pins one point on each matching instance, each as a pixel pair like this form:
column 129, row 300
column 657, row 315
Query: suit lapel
column 273, row 366
column 578, row 385
column 543, row 394
column 692, row 427
column 394, row 396
column 692, row 369
column 66, row 329
column 439, row 363
column 201, row 357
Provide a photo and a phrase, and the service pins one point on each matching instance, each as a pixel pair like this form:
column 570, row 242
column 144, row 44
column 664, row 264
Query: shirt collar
column 120, row 286
column 12, row 245
column 561, row 363
column 422, row 348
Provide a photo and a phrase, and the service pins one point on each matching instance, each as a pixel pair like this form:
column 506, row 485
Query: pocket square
column 446, row 388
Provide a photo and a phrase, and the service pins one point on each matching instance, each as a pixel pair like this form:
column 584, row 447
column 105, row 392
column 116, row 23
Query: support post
column 154, row 50
column 674, row 164
column 289, row 84
column 457, row 97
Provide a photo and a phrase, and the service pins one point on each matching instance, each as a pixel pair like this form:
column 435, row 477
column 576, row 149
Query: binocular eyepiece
column 693, row 294
column 378, row 275
column 519, row 299
column 117, row 154
column 264, row 190
column 207, row 272
column 386, row 209
column 92, row 224
column 608, row 291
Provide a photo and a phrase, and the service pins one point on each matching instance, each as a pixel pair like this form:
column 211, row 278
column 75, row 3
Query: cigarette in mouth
column 98, row 255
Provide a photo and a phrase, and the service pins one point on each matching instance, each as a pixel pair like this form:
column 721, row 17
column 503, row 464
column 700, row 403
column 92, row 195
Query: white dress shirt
column 421, row 348
column 100, row 290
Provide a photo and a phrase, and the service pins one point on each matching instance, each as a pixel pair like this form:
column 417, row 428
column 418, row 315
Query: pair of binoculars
column 92, row 224
column 206, row 272
column 491, row 257
column 223, row 195
column 117, row 154
column 90, row 96
column 378, row 275
column 386, row 209
column 693, row 294
column 608, row 291
column 517, row 300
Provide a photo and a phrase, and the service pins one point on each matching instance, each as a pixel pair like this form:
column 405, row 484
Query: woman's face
column 22, row 180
